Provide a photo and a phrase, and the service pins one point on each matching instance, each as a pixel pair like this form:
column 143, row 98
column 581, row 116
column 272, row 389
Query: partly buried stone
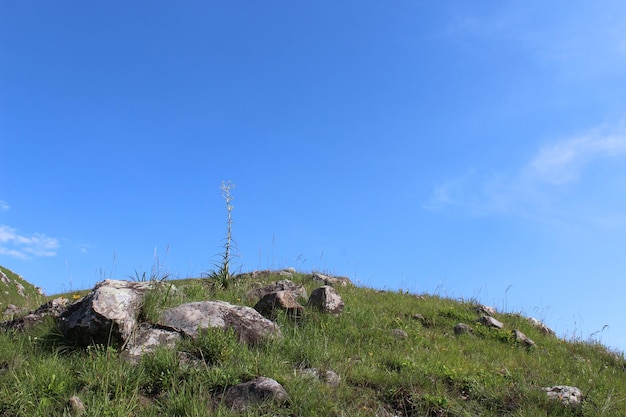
column 279, row 301
column 147, row 339
column 522, row 338
column 242, row 396
column 329, row 377
column 462, row 328
column 326, row 299
column 490, row 322
column 483, row 309
column 249, row 326
column 542, row 327
column 329, row 280
column 399, row 334
column 565, row 394
column 52, row 308
column 107, row 316
column 297, row 290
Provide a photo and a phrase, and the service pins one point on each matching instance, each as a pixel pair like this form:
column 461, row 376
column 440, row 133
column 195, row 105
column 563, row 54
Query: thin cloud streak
column 25, row 247
column 4, row 206
column 536, row 189
column 563, row 162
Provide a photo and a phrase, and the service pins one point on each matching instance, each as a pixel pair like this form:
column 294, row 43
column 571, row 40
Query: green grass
column 28, row 298
column 432, row 372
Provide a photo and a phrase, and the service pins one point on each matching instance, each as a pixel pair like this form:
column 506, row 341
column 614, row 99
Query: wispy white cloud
column 562, row 162
column 4, row 206
column 539, row 188
column 579, row 42
column 20, row 246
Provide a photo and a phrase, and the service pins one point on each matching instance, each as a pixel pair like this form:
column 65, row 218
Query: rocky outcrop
column 108, row 315
column 242, row 396
column 279, row 301
column 566, row 395
column 326, row 300
column 249, row 326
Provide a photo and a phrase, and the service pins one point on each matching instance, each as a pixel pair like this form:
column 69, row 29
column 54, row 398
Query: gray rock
column 522, row 338
column 486, row 310
column 490, row 322
column 242, row 396
column 329, row 377
column 330, row 280
column 326, row 300
column 462, row 328
column 542, row 327
column 249, row 326
column 52, row 308
column 107, row 316
column 565, row 394
column 147, row 339
column 279, row 300
column 12, row 311
column 298, row 290
column 399, row 333
column 76, row 405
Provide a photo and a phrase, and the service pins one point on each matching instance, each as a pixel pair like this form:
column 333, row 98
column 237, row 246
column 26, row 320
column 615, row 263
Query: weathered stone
column 108, row 315
column 12, row 311
column 462, row 328
column 326, row 300
column 542, row 327
column 242, row 396
column 52, row 308
column 329, row 377
column 147, row 339
column 330, row 280
column 279, row 300
column 486, row 310
column 287, row 272
column 298, row 290
column 490, row 322
column 565, row 394
column 522, row 338
column 247, row 323
column 76, row 405
column 399, row 333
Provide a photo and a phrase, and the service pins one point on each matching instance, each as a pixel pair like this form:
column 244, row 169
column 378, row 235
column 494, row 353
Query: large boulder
column 108, row 315
column 279, row 301
column 249, row 326
column 326, row 299
column 242, row 396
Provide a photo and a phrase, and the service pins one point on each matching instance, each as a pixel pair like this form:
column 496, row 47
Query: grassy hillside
column 17, row 291
column 430, row 372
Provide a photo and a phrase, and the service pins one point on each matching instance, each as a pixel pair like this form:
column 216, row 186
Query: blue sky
column 464, row 148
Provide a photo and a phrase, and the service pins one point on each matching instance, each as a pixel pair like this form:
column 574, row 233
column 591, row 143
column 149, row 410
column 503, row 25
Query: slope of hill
column 16, row 291
column 393, row 354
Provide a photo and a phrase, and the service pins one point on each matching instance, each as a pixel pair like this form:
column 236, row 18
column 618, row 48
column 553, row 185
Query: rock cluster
column 111, row 315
